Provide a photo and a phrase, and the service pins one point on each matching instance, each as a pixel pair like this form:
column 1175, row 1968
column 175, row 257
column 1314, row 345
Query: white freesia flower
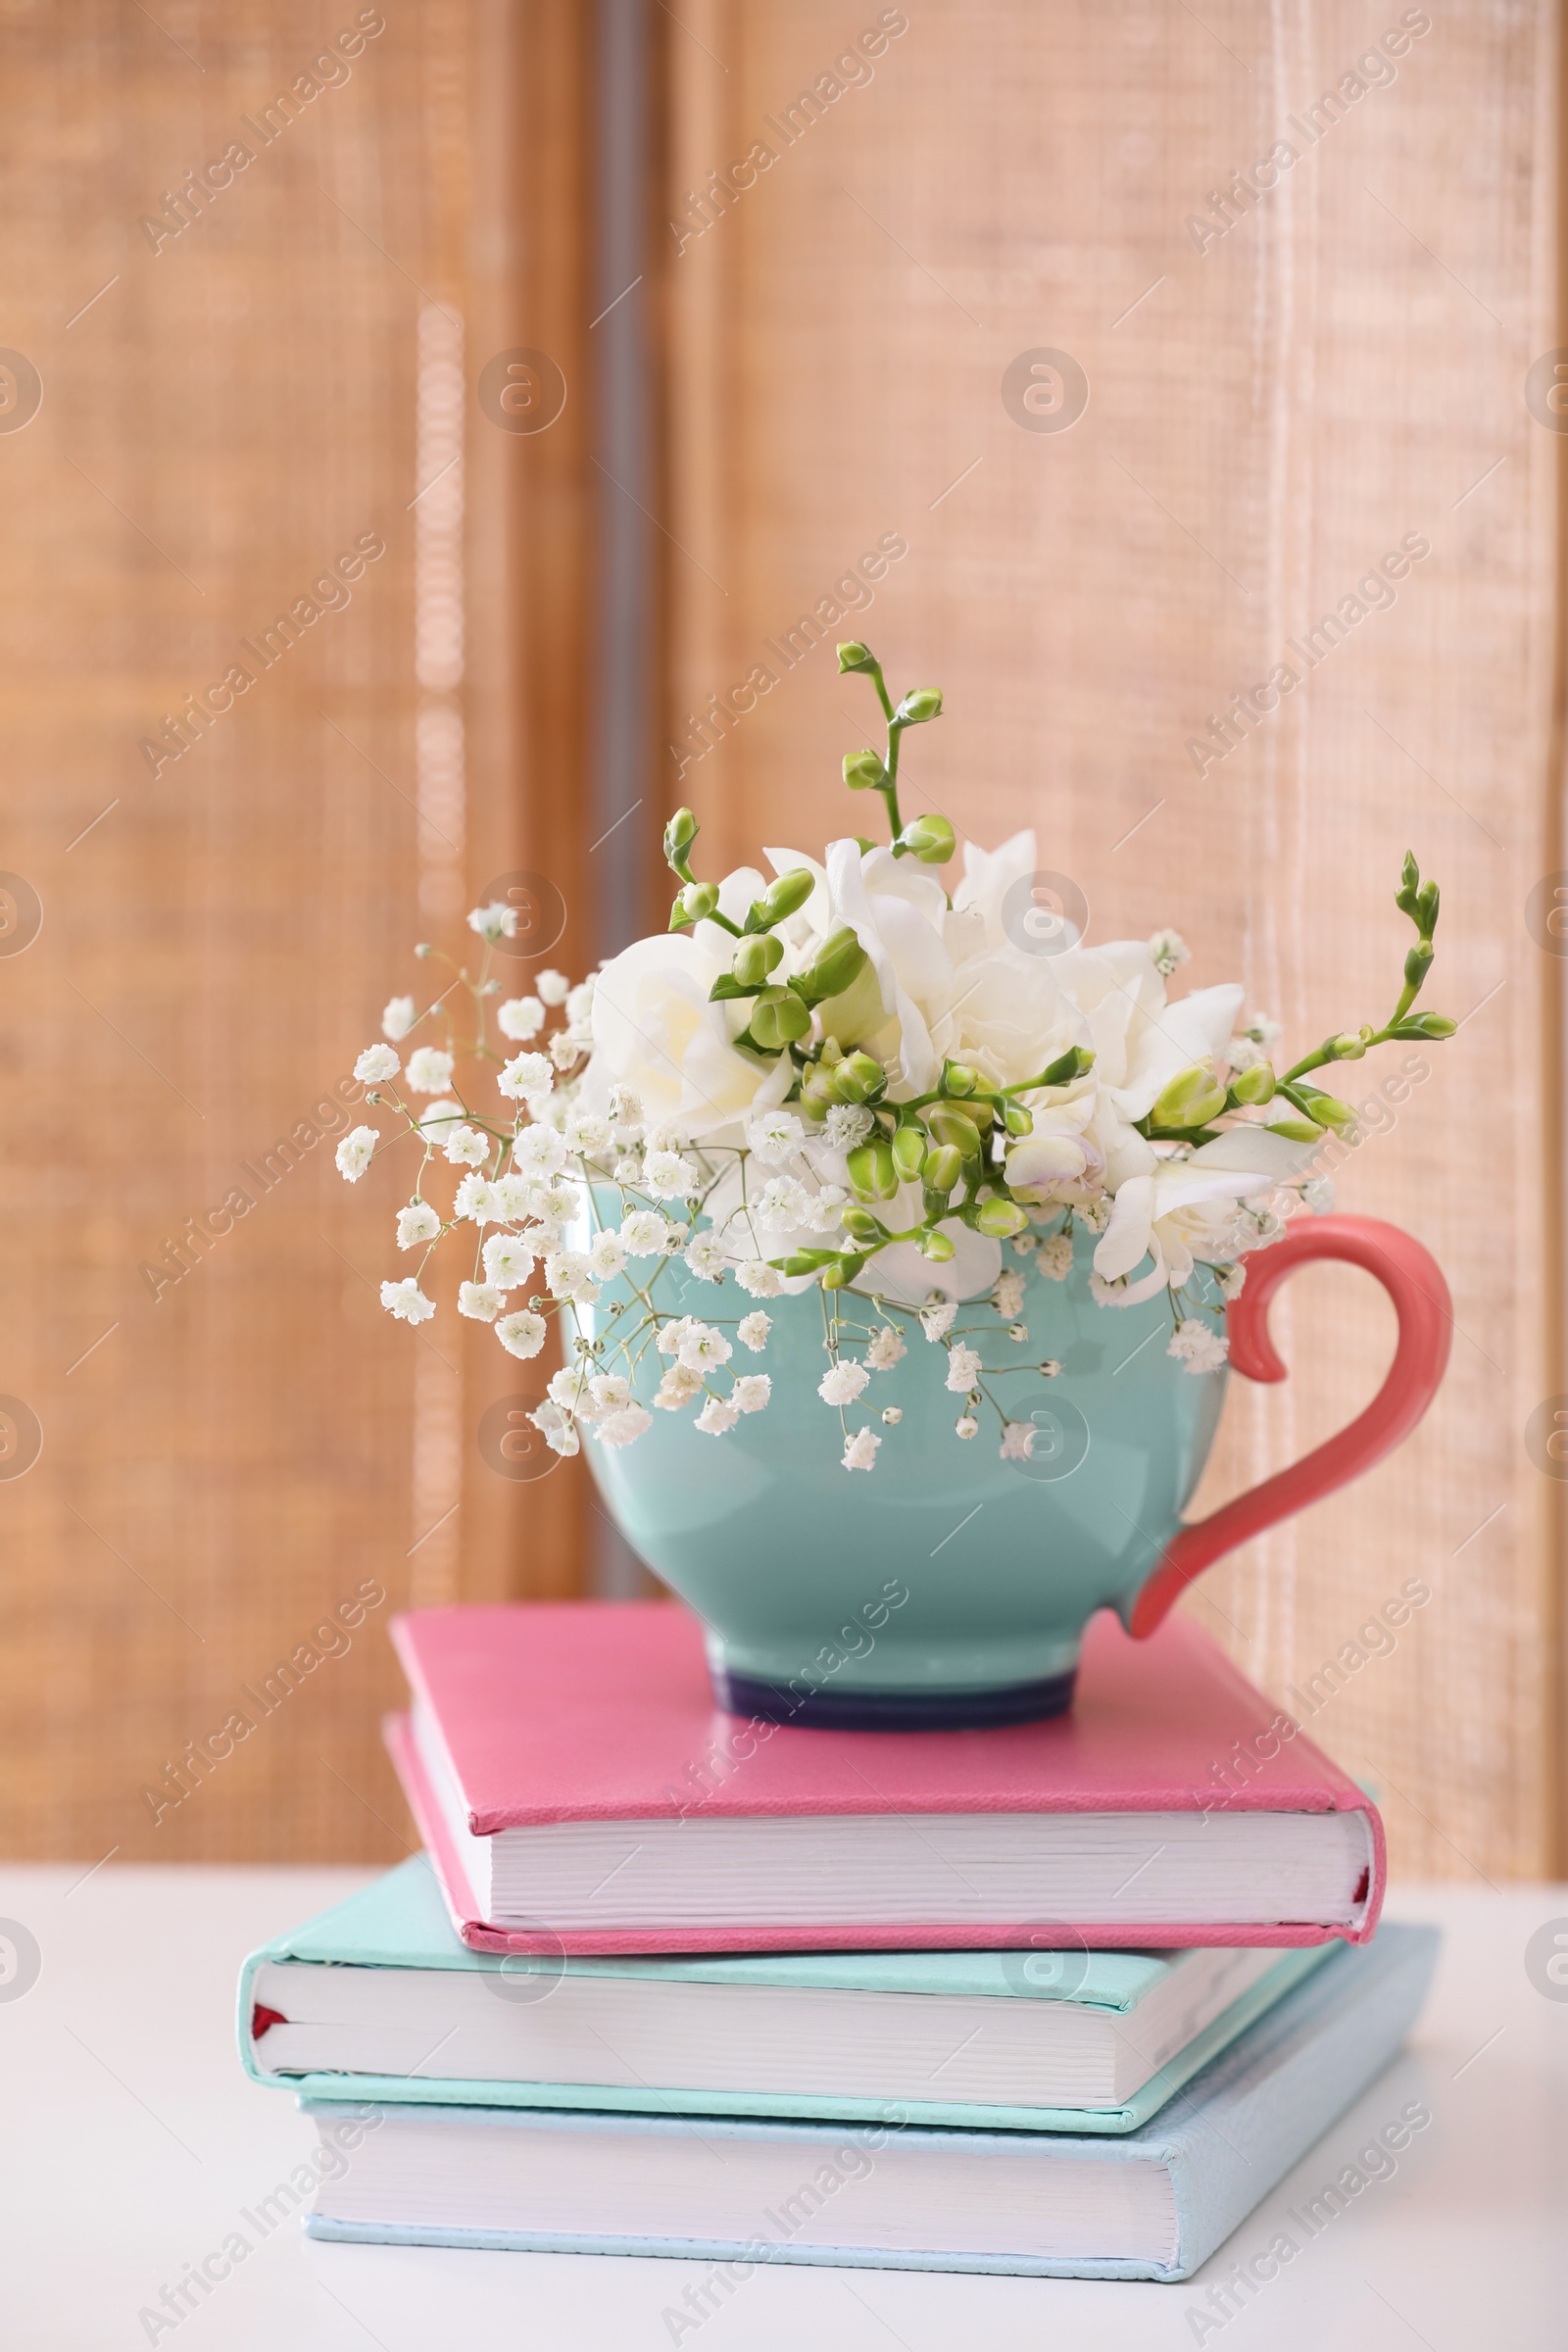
column 843, row 1382
column 430, row 1069
column 398, row 1018
column 378, row 1062
column 860, row 1451
column 520, row 1019
column 406, row 1300
column 1168, row 1215
column 354, row 1153
column 655, row 1032
column 751, row 1391
column 753, row 1331
column 416, row 1223
column 716, row 1417
column 480, row 1302
column 522, row 1334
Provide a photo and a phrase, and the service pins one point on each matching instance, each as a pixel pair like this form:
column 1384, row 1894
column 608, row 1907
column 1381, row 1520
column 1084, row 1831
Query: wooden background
column 1265, row 417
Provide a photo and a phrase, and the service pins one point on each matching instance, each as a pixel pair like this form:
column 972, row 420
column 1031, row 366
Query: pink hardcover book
column 579, row 1792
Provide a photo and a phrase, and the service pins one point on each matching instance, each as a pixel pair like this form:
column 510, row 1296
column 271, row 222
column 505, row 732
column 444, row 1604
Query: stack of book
column 1063, row 1999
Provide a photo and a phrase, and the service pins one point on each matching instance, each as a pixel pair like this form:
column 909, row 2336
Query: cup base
column 892, row 1710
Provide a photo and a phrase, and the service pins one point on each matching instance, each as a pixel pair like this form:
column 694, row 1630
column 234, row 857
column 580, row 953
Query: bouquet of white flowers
column 845, row 1078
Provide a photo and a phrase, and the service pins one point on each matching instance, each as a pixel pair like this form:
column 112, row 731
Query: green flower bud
column 778, row 1018
column 1436, row 1024
column 928, row 837
column 787, row 895
column 1426, row 909
column 856, row 655
column 839, row 961
column 872, row 1172
column 1256, row 1085
column 842, row 1270
column 1345, row 1047
column 1418, row 962
column 861, row 1226
column 864, row 771
column 861, row 1078
column 817, row 1097
column 950, row 1126
column 943, row 1168
column 1294, row 1131
column 1000, row 1219
column 916, row 707
column 1190, row 1099
column 959, row 1079
column 1406, row 896
column 909, row 1153
column 756, row 957
column 808, row 1262
column 1330, row 1111
column 680, row 834
column 937, row 1248
column 1018, row 1120
column 698, row 900
column 1070, row 1066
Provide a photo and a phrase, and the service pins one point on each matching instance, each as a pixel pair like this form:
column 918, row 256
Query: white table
column 132, row 2140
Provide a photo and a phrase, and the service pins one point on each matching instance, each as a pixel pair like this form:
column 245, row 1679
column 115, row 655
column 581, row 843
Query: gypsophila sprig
column 844, row 1076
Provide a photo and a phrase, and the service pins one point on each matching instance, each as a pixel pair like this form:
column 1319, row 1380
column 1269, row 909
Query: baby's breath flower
column 1019, row 1332
column 775, row 1135
column 669, row 1176
column 1169, row 950
column 429, row 1068
column 476, row 1199
column 537, row 1153
column 750, row 1393
column 705, row 1257
column 860, row 1451
column 824, row 1212
column 610, row 1392
column 580, row 999
column 525, row 1075
column 520, row 1019
column 966, row 1426
column 569, row 1387
column 507, row 1263
column 753, row 1331
column 378, row 1062
column 964, row 1369
column 522, row 1334
column 606, row 1257
column 1008, row 1297
column 754, row 1276
column 1197, row 1349
column 893, row 1414
column 557, row 1428
column 495, row 921
column 398, row 1018
column 626, row 1105
column 716, row 1417
column 1318, row 1194
column 1017, row 1440
column 570, row 1276
column 416, row 1223
column 1230, row 1280
column 843, row 1382
column 643, row 1232
column 936, row 1320
column 848, row 1124
column 480, row 1302
column 620, row 1429
column 1054, row 1258
column 677, row 1387
column 672, row 1334
column 553, row 987
column 629, row 1169
column 886, row 1348
column 702, row 1349
column 587, row 1132
column 354, row 1153
column 781, row 1204
column 406, row 1300
column 467, row 1147
column 565, row 1048
column 437, row 1119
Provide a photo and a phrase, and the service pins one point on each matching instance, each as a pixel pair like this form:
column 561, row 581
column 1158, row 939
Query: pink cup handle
column 1413, row 1280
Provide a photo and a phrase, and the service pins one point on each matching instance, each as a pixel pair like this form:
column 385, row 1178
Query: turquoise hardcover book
column 1154, row 2203
column 379, row 2001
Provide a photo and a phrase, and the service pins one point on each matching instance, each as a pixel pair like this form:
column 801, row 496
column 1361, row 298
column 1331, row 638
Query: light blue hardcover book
column 378, row 1999
column 1151, row 2204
